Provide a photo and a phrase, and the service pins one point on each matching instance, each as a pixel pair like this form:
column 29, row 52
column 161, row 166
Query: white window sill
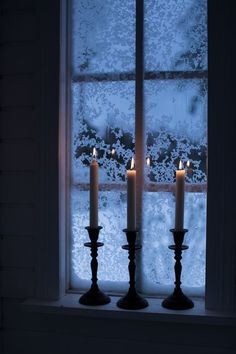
column 69, row 305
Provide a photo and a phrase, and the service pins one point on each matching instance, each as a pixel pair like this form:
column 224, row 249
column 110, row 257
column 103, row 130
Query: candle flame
column 132, row 164
column 113, row 151
column 180, row 165
column 148, row 162
column 188, row 163
column 94, row 152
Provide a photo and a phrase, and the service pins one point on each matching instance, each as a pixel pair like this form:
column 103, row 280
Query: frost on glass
column 176, row 128
column 157, row 259
column 103, row 116
column 112, row 259
column 175, row 35
column 103, row 36
column 175, row 113
column 102, row 50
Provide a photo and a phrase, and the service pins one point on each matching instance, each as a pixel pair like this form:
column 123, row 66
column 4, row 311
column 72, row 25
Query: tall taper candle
column 94, row 192
column 131, row 198
column 179, row 195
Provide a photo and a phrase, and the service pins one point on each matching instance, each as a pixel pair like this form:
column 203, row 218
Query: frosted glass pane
column 176, row 127
column 112, row 259
column 175, row 35
column 103, row 36
column 103, row 116
column 157, row 259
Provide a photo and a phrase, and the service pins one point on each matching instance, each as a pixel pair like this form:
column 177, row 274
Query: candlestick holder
column 177, row 300
column 132, row 300
column 94, row 296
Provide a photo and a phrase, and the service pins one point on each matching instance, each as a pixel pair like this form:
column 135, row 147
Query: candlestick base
column 94, row 296
column 132, row 300
column 177, row 300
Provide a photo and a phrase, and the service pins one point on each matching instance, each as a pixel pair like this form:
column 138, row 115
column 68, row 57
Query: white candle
column 147, row 170
column 131, row 198
column 179, row 195
column 94, row 192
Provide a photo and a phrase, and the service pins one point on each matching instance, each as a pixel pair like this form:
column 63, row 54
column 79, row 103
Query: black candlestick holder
column 94, row 296
column 177, row 300
column 132, row 300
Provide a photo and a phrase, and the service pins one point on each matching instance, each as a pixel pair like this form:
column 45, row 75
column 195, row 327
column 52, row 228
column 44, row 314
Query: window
column 145, row 98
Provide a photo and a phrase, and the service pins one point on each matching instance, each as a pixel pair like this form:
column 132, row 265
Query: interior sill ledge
column 69, row 305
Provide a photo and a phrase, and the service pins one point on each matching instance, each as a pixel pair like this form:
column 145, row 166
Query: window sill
column 69, row 305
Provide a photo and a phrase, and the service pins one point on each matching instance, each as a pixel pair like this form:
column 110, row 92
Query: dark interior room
column 117, row 128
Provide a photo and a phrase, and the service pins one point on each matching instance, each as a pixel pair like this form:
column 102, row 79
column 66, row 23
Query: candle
column 131, row 198
column 94, row 191
column 179, row 195
column 189, row 169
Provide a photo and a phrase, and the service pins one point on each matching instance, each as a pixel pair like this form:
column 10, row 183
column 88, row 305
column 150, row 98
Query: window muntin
column 103, row 111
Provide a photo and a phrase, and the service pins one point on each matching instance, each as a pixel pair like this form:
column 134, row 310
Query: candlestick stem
column 177, row 300
column 94, row 296
column 132, row 300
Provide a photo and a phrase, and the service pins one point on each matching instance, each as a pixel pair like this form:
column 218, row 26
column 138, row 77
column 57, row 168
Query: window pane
column 175, row 113
column 176, row 127
column 102, row 102
column 175, row 35
column 112, row 270
column 96, row 24
column 103, row 116
column 157, row 259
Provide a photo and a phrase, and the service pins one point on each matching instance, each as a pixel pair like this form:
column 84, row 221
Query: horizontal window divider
column 173, row 75
column 148, row 75
column 148, row 187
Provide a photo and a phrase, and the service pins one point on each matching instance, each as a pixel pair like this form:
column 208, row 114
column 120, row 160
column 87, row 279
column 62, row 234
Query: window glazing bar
column 149, row 75
column 150, row 187
column 139, row 108
column 139, row 128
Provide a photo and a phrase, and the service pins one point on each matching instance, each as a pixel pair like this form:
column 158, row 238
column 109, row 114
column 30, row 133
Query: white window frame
column 220, row 246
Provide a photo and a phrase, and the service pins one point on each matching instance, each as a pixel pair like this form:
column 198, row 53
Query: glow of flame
column 132, row 164
column 148, row 162
column 180, row 165
column 188, row 163
column 94, row 152
column 113, row 151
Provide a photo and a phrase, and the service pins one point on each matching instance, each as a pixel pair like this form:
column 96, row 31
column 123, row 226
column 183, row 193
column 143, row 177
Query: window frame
column 221, row 245
column 139, row 76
